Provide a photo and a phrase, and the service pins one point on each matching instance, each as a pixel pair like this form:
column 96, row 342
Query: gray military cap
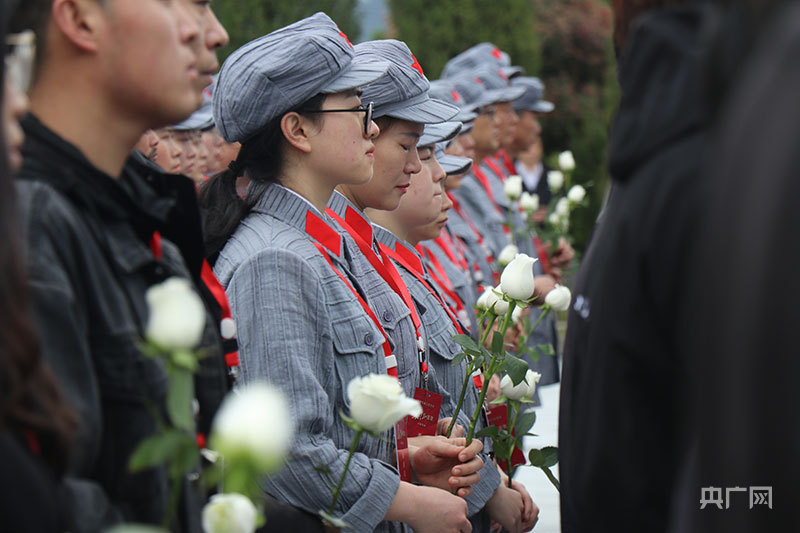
column 446, row 90
column 480, row 55
column 277, row 72
column 496, row 84
column 402, row 92
column 531, row 99
column 452, row 164
column 441, row 132
column 202, row 119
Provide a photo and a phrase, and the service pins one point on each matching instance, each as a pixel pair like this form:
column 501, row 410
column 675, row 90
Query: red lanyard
column 485, row 182
column 496, row 169
column 466, row 218
column 227, row 325
column 453, row 253
column 509, row 164
column 413, row 264
column 361, row 231
column 330, row 241
column 442, row 280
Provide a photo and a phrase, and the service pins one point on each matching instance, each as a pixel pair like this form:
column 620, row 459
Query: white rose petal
column 529, row 202
column 516, row 315
column 229, row 513
column 554, row 219
column 562, row 207
column 517, row 281
column 576, row 194
column 254, row 423
column 176, row 315
column 559, row 298
column 507, row 254
column 513, row 187
column 377, row 402
column 511, row 391
column 555, row 180
column 483, row 299
column 495, row 299
column 566, row 161
column 532, row 378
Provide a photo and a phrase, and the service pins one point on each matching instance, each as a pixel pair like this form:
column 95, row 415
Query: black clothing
column 29, row 489
column 90, row 265
column 621, row 418
column 743, row 352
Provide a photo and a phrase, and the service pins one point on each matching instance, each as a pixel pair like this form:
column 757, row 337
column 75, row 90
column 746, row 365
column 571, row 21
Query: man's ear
column 80, row 22
column 297, row 130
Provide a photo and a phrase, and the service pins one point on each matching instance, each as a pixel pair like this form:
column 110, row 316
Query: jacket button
column 453, row 348
column 387, row 316
column 368, row 339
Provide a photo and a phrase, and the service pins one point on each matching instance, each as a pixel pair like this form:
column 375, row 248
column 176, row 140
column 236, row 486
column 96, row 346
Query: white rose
column 177, row 315
column 516, row 281
column 516, row 314
column 529, row 202
column 559, row 298
column 524, row 389
column 483, row 299
column 566, row 161
column 554, row 219
column 507, row 254
column 254, row 424
column 555, row 180
column 229, row 513
column 562, row 207
column 532, row 378
column 377, row 402
column 495, row 299
column 576, row 194
column 513, row 187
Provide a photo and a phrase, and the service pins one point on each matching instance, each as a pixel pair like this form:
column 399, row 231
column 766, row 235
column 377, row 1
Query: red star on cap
column 496, row 53
column 346, row 39
column 479, row 81
column 416, row 66
column 456, row 96
column 502, row 74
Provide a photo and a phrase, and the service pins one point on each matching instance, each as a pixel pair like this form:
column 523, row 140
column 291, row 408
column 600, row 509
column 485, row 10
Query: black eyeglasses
column 357, row 109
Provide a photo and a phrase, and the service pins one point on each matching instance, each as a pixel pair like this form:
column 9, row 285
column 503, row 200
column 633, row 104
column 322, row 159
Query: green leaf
column 546, row 349
column 490, row 431
column 185, row 359
column 502, row 448
column 179, row 399
column 525, row 422
column 458, row 358
column 497, row 342
column 544, row 458
column 186, row 458
column 516, row 368
column 156, row 450
column 466, row 341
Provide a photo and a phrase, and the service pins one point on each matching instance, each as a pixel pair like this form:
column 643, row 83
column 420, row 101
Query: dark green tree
column 247, row 19
column 437, row 31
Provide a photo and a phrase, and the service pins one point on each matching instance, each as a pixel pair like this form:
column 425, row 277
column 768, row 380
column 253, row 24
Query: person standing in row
column 304, row 131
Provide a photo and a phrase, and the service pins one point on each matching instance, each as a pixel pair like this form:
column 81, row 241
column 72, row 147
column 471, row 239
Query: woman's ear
column 297, row 130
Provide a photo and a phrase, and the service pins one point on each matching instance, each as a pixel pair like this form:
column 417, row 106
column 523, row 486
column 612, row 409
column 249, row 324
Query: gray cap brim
column 453, row 164
column 197, row 121
column 507, row 94
column 543, row 106
column 512, row 71
column 425, row 110
column 356, row 75
column 440, row 132
column 466, row 127
column 465, row 116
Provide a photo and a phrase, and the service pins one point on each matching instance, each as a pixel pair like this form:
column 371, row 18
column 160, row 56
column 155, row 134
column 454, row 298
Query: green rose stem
column 489, row 373
column 338, row 488
column 470, row 370
column 545, row 311
column 509, row 467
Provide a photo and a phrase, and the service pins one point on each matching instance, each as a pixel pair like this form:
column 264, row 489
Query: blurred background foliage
column 566, row 43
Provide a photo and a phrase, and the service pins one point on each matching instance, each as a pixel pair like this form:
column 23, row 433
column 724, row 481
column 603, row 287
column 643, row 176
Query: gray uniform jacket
column 440, row 332
column 480, row 208
column 477, row 253
column 301, row 328
column 521, row 237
